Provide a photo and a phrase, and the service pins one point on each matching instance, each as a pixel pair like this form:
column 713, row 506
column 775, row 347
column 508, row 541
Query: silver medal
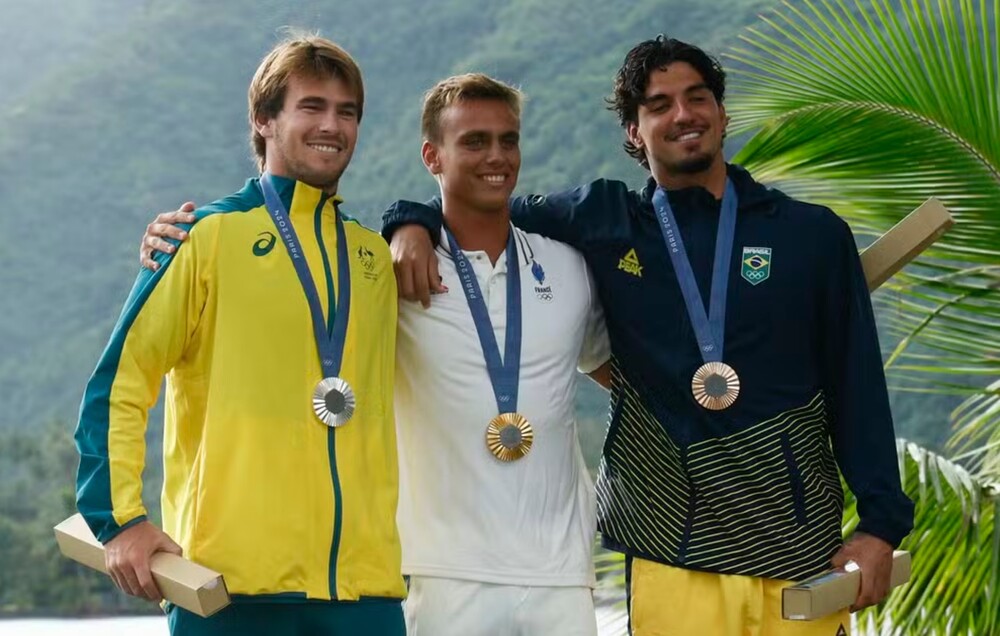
column 334, row 401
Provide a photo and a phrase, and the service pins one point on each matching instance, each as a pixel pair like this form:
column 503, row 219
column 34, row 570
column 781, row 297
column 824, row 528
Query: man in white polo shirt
column 496, row 509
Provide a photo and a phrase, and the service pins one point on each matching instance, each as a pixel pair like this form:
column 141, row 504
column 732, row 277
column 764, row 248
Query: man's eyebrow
column 656, row 97
column 697, row 87
column 312, row 100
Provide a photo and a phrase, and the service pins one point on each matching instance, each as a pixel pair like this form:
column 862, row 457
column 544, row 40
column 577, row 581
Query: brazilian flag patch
column 756, row 264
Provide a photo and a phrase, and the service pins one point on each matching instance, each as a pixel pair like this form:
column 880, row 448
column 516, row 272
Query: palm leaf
column 976, row 441
column 870, row 110
column 954, row 587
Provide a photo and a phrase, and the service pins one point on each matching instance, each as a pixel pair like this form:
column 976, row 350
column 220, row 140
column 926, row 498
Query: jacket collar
column 297, row 195
column 753, row 196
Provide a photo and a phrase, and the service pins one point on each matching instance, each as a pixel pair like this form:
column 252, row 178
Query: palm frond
column 954, row 587
column 870, row 110
column 977, row 433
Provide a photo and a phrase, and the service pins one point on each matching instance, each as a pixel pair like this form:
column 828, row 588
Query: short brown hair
column 303, row 55
column 462, row 87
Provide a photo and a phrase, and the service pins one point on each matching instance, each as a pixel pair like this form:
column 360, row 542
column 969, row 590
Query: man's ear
column 264, row 126
column 431, row 157
column 632, row 134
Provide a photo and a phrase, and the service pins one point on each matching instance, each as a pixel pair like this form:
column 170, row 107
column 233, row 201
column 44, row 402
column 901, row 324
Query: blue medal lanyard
column 504, row 374
column 329, row 340
column 708, row 329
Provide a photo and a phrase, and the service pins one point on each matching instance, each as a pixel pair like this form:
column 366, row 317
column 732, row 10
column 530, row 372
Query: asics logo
column 264, row 244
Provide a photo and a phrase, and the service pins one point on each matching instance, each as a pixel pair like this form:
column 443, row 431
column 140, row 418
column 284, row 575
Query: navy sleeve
column 573, row 216
column 403, row 213
column 858, row 402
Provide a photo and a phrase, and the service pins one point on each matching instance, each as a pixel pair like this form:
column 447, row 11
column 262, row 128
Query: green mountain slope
column 42, row 37
column 156, row 115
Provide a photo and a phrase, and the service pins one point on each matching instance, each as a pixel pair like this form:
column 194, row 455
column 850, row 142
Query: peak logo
column 630, row 264
column 264, row 244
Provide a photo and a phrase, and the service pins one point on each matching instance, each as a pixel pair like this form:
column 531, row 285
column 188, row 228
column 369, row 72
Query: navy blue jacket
column 752, row 489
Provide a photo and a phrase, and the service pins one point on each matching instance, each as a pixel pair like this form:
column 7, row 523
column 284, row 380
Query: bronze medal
column 715, row 386
column 509, row 436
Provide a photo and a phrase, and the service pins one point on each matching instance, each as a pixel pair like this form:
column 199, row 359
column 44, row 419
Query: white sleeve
column 596, row 349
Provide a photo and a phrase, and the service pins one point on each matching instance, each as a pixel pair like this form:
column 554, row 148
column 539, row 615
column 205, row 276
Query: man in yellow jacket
column 275, row 327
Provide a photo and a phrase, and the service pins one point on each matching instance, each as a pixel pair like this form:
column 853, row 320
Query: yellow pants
column 669, row 601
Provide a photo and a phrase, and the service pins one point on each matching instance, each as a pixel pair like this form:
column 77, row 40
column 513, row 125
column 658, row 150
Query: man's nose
column 329, row 122
column 682, row 112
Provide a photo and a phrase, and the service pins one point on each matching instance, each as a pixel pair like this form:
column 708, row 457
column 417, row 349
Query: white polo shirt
column 463, row 514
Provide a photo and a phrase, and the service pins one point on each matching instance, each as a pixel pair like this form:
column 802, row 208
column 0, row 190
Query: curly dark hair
column 632, row 79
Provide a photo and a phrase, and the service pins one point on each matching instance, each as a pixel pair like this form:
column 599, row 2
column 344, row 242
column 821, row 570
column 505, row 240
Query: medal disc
column 715, row 386
column 509, row 436
column 333, row 401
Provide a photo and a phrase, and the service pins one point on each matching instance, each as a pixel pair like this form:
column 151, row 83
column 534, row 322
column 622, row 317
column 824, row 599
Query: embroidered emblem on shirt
column 756, row 264
column 542, row 291
column 630, row 264
column 367, row 258
column 264, row 244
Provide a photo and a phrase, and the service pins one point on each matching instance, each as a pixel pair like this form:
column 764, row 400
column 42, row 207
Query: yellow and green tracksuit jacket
column 255, row 486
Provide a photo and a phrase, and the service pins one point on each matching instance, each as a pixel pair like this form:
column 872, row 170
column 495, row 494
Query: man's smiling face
column 313, row 137
column 479, row 155
column 680, row 124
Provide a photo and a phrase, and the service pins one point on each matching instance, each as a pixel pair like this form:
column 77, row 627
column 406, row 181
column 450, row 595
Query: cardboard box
column 182, row 582
column 904, row 242
column 834, row 590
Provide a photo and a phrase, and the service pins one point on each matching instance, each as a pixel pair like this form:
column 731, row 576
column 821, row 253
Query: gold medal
column 715, row 386
column 334, row 402
column 509, row 436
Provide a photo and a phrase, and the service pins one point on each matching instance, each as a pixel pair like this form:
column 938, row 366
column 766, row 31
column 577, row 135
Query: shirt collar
column 525, row 253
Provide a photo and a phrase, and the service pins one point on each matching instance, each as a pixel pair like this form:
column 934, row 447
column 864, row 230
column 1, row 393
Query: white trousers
column 453, row 607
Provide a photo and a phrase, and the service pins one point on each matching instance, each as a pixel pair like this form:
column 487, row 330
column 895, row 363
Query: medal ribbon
column 710, row 329
column 329, row 342
column 504, row 373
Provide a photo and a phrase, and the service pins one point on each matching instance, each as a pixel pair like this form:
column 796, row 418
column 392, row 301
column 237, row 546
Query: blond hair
column 299, row 55
column 459, row 88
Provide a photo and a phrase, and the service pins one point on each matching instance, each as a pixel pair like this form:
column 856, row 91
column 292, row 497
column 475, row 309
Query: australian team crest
column 368, row 263
column 756, row 264
column 542, row 291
